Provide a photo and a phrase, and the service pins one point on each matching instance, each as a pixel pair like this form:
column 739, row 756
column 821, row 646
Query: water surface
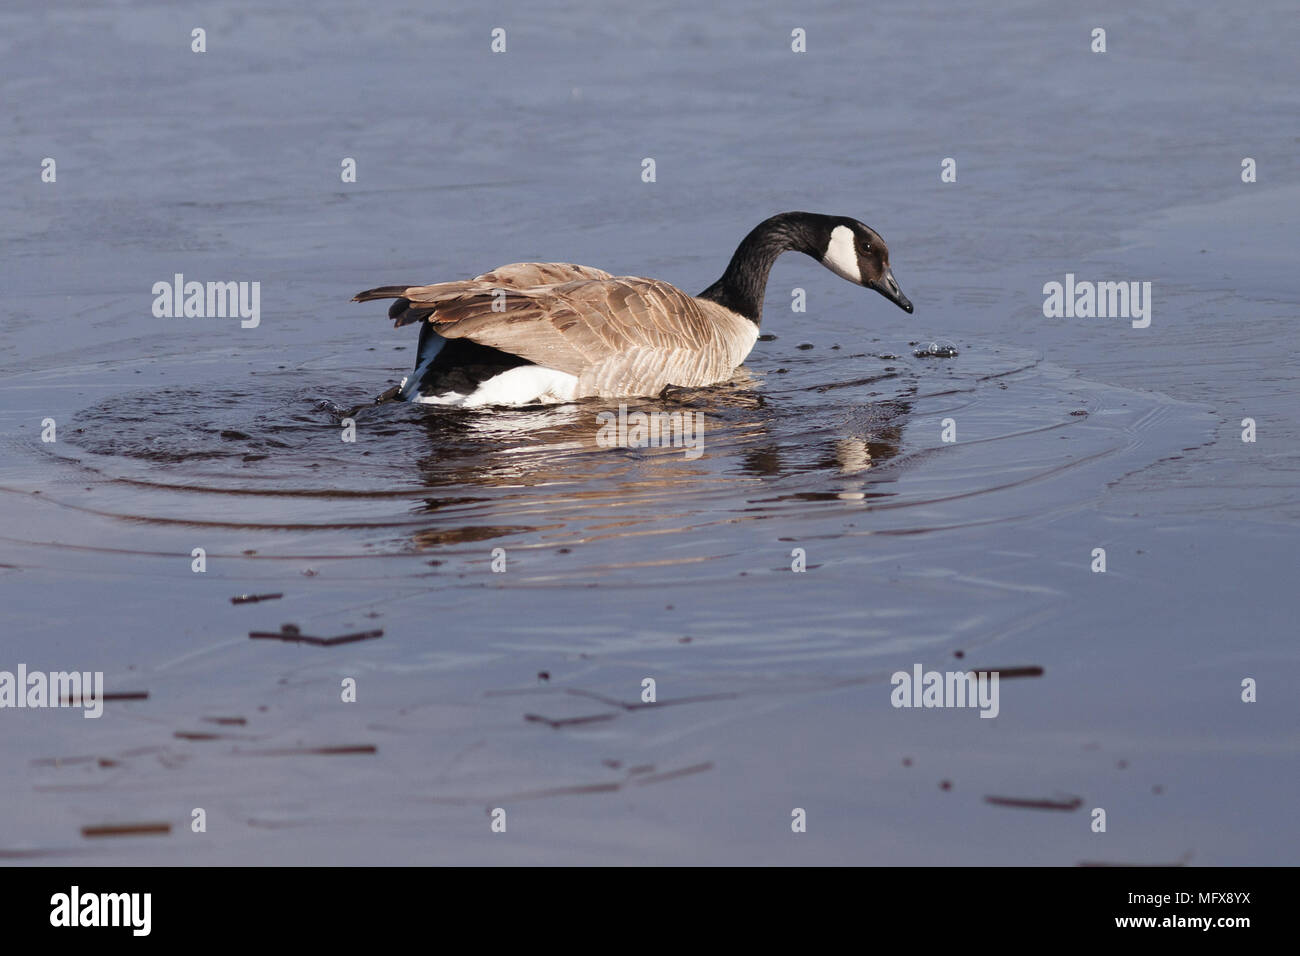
column 522, row 689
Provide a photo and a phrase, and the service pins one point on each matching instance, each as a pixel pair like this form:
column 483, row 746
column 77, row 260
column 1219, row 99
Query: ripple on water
column 806, row 452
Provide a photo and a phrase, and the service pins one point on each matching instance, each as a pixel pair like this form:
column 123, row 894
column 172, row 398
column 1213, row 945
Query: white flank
column 524, row 385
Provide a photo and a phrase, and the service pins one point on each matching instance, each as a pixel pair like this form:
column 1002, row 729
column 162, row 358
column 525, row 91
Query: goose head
column 855, row 251
column 845, row 246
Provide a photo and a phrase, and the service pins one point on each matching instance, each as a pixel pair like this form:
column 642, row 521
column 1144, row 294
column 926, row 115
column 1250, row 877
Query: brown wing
column 416, row 307
column 619, row 335
column 527, row 275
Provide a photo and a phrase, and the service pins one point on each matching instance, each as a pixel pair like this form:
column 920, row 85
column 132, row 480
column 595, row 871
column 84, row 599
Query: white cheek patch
column 842, row 255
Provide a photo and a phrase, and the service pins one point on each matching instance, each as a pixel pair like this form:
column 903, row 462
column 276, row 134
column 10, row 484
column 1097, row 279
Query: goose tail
column 400, row 311
column 383, row 292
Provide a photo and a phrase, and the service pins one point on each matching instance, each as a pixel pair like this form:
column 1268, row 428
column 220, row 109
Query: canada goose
column 547, row 332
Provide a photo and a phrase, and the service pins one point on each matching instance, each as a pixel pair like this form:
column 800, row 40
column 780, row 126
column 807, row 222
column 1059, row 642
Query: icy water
column 521, row 689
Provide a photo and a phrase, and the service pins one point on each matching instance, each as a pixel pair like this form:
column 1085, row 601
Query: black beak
column 888, row 287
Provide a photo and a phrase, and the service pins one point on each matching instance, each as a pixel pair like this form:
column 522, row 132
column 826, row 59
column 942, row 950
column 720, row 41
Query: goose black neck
column 742, row 286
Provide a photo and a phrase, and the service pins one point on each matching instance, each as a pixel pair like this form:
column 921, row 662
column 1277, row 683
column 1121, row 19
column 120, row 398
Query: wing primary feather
column 382, row 292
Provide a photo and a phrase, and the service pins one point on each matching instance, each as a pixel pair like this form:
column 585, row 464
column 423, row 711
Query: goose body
column 549, row 332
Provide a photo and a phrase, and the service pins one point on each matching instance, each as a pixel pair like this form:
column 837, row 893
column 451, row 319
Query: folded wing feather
column 619, row 335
